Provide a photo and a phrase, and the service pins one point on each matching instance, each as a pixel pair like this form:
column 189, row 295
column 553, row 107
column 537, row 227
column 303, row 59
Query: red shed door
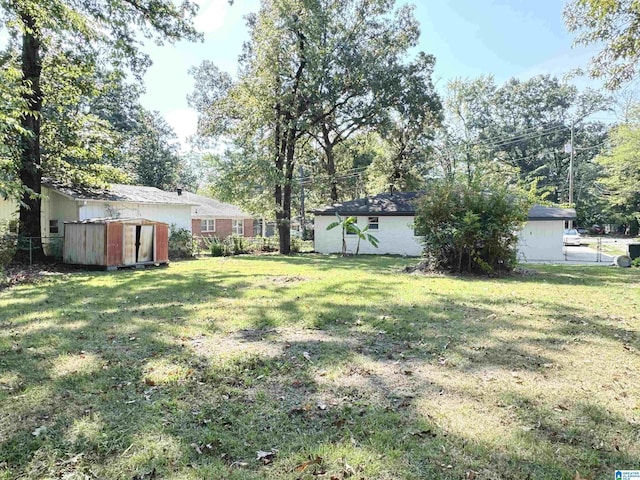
column 162, row 243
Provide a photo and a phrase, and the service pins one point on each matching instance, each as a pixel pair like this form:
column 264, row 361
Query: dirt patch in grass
column 13, row 274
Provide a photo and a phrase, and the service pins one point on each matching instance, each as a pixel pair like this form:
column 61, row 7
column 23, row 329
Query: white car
column 571, row 237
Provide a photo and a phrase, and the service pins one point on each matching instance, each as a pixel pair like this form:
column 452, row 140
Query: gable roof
column 119, row 193
column 210, row 207
column 403, row 204
column 384, row 204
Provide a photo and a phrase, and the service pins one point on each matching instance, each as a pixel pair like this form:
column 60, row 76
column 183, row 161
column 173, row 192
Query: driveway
column 586, row 255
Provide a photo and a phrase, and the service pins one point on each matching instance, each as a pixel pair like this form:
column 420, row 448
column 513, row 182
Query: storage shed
column 116, row 242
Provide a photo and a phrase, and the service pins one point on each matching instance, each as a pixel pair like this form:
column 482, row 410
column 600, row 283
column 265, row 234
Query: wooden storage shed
column 116, row 242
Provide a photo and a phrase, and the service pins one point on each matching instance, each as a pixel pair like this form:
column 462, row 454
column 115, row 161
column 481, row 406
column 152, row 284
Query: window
column 351, row 232
column 53, row 226
column 237, row 227
column 373, row 223
column 208, row 225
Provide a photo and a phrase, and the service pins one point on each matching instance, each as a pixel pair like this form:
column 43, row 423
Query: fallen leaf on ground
column 304, row 465
column 267, row 457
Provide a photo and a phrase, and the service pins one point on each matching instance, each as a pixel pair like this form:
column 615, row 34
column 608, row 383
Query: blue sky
column 505, row 38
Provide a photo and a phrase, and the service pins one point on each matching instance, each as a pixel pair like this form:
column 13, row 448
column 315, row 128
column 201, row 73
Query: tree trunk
column 284, row 226
column 330, row 162
column 30, row 172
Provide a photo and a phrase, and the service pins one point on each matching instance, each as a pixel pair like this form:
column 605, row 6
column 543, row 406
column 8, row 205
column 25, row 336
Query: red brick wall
column 223, row 228
column 196, row 225
column 248, row 227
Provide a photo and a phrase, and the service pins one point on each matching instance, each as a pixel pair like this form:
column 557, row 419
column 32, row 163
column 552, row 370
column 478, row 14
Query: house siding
column 178, row 215
column 57, row 207
column 395, row 235
column 541, row 240
column 8, row 210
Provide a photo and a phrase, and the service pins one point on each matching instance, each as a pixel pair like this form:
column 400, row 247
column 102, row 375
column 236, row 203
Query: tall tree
column 614, row 24
column 526, row 125
column 87, row 25
column 366, row 76
column 311, row 68
column 621, row 165
column 12, row 106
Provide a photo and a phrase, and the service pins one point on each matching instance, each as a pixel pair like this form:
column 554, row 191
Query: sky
column 469, row 38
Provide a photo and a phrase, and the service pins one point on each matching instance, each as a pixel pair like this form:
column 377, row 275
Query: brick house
column 212, row 218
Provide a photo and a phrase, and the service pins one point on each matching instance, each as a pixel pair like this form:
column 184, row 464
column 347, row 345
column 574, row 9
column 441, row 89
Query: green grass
column 187, row 372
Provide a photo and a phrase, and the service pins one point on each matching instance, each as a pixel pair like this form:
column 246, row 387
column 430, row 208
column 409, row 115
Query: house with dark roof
column 212, row 218
column 391, row 220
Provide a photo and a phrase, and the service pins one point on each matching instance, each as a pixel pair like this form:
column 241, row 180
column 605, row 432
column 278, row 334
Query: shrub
column 8, row 244
column 296, row 244
column 470, row 227
column 219, row 248
column 181, row 243
column 238, row 244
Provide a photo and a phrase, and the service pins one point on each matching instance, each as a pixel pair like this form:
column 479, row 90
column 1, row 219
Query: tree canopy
column 314, row 71
column 60, row 45
column 613, row 24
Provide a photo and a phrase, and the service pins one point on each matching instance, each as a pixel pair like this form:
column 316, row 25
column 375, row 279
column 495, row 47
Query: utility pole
column 302, row 217
column 571, row 165
column 571, row 154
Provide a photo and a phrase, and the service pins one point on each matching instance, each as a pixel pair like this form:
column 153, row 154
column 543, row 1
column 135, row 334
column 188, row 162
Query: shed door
column 129, row 245
column 145, row 252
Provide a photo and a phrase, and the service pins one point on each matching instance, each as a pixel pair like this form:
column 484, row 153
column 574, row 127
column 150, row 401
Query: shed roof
column 404, row 204
column 119, row 193
column 210, row 207
column 103, row 220
column 538, row 212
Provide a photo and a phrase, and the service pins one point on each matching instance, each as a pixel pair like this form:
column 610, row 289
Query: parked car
column 597, row 229
column 571, row 237
column 582, row 230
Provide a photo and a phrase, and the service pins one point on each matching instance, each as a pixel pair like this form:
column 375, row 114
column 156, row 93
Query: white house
column 62, row 204
column 391, row 220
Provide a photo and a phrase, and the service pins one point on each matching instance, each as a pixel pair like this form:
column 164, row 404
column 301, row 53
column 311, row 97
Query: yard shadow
column 131, row 379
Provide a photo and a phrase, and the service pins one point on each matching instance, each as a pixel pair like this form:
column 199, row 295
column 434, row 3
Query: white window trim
column 234, row 223
column 376, row 223
column 204, row 222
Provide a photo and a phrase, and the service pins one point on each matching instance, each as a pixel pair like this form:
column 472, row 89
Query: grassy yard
column 331, row 368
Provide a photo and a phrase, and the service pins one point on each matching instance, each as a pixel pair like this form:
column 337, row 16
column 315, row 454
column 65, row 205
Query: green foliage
column 470, row 226
column 313, row 72
column 621, row 164
column 181, row 243
column 8, row 244
column 524, row 125
column 232, row 245
column 12, row 106
column 613, row 25
column 56, row 45
column 238, row 244
column 218, row 247
column 350, row 225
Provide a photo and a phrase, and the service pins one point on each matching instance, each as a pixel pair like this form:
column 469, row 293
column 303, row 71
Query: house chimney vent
column 179, row 190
